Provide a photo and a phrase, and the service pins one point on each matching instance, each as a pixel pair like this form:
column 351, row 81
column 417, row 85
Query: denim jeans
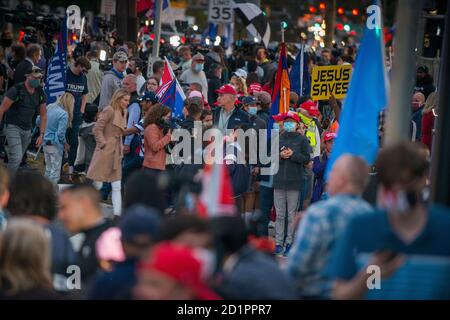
column 73, row 138
column 18, row 141
column 265, row 205
column 53, row 161
column 131, row 162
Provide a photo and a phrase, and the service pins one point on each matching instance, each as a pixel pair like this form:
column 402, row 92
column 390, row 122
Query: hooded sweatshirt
column 111, row 82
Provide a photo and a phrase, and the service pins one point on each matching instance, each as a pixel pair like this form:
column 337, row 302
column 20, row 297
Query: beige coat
column 106, row 163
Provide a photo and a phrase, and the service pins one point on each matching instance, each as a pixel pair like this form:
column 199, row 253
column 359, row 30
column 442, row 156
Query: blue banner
column 366, row 97
column 299, row 76
column 55, row 84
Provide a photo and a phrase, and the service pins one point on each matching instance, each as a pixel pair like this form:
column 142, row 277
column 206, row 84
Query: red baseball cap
column 311, row 107
column 180, row 263
column 291, row 115
column 254, row 87
column 226, row 88
column 329, row 136
column 279, row 117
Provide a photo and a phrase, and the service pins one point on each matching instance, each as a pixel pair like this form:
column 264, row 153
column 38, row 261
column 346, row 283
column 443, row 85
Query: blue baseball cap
column 140, row 225
column 149, row 96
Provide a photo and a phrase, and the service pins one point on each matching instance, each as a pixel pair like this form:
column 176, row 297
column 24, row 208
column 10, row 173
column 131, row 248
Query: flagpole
column 284, row 89
column 302, row 53
column 157, row 33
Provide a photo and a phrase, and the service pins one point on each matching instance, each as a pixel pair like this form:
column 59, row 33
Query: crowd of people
column 293, row 234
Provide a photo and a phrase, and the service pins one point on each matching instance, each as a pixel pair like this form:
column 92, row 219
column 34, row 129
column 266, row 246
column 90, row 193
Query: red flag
column 217, row 192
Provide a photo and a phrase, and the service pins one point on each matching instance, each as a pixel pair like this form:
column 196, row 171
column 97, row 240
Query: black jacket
column 291, row 171
column 425, row 86
column 214, row 83
column 237, row 117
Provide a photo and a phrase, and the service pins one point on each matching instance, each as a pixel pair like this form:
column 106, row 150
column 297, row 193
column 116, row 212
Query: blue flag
column 55, row 84
column 366, row 97
column 173, row 99
column 299, row 76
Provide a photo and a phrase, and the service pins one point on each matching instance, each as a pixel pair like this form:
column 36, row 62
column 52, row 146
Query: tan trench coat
column 106, row 163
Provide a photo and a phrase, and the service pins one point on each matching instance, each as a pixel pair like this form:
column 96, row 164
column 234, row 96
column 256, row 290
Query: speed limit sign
column 220, row 11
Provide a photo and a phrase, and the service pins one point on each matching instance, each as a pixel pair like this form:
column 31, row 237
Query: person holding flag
column 170, row 92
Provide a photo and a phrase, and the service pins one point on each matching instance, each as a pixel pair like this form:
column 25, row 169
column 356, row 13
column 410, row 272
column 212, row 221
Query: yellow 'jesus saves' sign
column 329, row 80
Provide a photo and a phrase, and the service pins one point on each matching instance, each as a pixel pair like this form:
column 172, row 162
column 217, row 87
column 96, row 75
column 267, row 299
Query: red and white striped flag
column 216, row 198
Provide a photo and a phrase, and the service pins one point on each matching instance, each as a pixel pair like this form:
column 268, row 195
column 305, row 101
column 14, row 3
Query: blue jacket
column 237, row 117
column 320, row 164
column 55, row 130
column 117, row 284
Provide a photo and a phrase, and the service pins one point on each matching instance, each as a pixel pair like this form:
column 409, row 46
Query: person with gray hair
column 196, row 73
column 324, row 222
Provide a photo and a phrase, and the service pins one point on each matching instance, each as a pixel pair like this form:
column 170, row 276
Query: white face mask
column 396, row 203
column 209, row 259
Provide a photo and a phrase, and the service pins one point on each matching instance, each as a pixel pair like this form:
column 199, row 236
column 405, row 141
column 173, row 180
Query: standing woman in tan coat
column 106, row 163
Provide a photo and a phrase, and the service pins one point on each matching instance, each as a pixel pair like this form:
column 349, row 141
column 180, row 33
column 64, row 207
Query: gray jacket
column 110, row 83
column 291, row 171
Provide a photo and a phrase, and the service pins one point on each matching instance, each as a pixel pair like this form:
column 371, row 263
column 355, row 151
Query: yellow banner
column 329, row 80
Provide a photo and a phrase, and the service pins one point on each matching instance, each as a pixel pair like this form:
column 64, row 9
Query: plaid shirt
column 317, row 233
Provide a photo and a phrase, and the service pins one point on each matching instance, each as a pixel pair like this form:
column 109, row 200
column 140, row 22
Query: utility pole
column 398, row 117
column 440, row 166
column 122, row 18
column 157, row 33
column 330, row 22
column 132, row 21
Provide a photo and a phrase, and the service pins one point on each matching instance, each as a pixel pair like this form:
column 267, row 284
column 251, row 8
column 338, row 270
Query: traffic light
column 341, row 10
column 322, row 6
column 355, row 12
column 347, row 27
column 312, row 9
column 340, row 26
column 284, row 25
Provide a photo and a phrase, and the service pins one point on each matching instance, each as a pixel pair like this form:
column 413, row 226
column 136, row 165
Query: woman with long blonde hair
column 428, row 116
column 106, row 163
column 59, row 118
column 239, row 83
column 25, row 261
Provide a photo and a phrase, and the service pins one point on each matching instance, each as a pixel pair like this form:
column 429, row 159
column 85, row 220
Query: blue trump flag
column 366, row 97
column 55, row 84
column 299, row 76
column 173, row 99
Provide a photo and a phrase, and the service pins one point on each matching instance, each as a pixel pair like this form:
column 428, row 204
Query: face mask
column 208, row 259
column 34, row 83
column 400, row 204
column 198, row 67
column 252, row 110
column 289, row 126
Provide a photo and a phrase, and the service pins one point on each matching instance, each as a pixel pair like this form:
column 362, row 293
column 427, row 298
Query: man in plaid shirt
column 323, row 223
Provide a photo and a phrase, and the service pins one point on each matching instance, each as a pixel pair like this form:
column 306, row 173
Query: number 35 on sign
column 329, row 80
column 220, row 11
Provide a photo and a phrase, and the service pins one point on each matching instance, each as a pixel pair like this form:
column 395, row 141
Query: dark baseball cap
column 140, row 225
column 149, row 96
column 249, row 100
